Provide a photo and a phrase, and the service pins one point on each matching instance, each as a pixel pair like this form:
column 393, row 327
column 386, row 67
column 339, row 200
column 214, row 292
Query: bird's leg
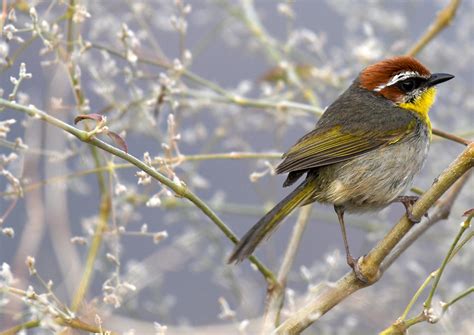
column 351, row 261
column 340, row 215
column 408, row 201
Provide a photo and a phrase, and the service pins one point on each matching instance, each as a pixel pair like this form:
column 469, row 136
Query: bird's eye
column 408, row 85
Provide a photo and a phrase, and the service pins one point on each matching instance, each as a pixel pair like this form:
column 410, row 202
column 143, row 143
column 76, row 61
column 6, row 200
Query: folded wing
column 323, row 147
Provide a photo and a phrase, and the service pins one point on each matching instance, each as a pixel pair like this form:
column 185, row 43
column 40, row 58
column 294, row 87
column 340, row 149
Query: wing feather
column 320, row 148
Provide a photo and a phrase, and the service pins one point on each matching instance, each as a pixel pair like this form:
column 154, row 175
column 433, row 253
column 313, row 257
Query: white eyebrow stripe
column 396, row 78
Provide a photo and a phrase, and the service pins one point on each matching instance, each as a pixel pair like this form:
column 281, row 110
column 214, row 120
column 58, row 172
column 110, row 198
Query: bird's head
column 404, row 81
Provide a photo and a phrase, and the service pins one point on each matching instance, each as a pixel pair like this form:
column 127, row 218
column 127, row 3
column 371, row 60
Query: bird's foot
column 408, row 201
column 354, row 264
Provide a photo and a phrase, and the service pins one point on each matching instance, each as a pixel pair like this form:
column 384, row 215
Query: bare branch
column 276, row 293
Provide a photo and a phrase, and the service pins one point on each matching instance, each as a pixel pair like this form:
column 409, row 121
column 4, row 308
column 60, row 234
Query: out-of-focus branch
column 275, row 295
column 70, row 26
column 111, row 166
column 60, row 317
column 104, row 207
column 443, row 19
column 370, row 264
column 70, row 323
column 3, row 16
column 104, row 213
column 252, row 20
column 16, row 329
column 451, row 137
column 458, row 297
column 464, row 226
column 222, row 95
column 178, row 187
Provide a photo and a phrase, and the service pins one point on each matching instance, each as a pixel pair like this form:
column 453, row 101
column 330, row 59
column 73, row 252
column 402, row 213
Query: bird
column 364, row 151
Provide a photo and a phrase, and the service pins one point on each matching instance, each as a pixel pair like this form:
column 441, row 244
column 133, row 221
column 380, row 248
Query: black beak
column 438, row 78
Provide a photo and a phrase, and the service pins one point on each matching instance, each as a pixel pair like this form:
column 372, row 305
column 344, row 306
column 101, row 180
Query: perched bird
column 365, row 150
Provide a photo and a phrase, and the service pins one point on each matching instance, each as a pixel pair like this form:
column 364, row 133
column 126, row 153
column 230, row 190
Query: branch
column 464, row 226
column 178, row 187
column 441, row 212
column 104, row 213
column 443, row 19
column 222, row 95
column 450, row 137
column 458, row 297
column 60, row 318
column 252, row 20
column 16, row 329
column 276, row 294
column 370, row 264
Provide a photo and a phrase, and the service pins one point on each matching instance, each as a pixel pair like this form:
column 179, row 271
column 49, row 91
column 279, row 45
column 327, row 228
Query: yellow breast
column 422, row 104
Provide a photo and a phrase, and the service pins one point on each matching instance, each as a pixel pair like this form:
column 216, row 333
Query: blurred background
column 165, row 73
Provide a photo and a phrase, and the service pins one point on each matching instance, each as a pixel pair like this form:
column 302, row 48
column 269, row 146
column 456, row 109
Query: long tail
column 263, row 228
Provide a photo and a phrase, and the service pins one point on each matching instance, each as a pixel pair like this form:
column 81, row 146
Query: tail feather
column 267, row 224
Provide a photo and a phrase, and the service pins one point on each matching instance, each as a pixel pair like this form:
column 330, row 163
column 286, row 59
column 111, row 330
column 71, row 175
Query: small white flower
column 160, row 329
column 143, row 178
column 33, row 14
column 79, row 240
column 129, row 286
column 157, row 237
column 112, row 258
column 112, row 299
column 6, row 276
column 30, row 263
column 8, row 231
column 177, row 66
column 154, row 201
column 243, row 325
column 80, row 14
column 119, row 189
column 226, row 312
column 286, row 10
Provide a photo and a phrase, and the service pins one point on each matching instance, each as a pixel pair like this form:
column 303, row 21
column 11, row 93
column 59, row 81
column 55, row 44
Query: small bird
column 364, row 151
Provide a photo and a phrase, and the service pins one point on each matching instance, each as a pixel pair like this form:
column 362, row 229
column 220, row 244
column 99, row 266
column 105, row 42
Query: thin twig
column 465, row 225
column 93, row 252
column 451, row 137
column 26, row 325
column 276, row 294
column 458, row 297
column 223, row 95
column 70, row 26
column 60, row 317
column 3, row 17
column 104, row 207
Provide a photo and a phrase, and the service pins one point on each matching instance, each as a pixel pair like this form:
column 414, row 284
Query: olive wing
column 324, row 147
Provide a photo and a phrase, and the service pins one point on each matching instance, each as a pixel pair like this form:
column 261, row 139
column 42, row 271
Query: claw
column 354, row 264
column 411, row 217
column 408, row 201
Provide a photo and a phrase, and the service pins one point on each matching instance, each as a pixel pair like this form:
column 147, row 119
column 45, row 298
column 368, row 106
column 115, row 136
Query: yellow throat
column 422, row 104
